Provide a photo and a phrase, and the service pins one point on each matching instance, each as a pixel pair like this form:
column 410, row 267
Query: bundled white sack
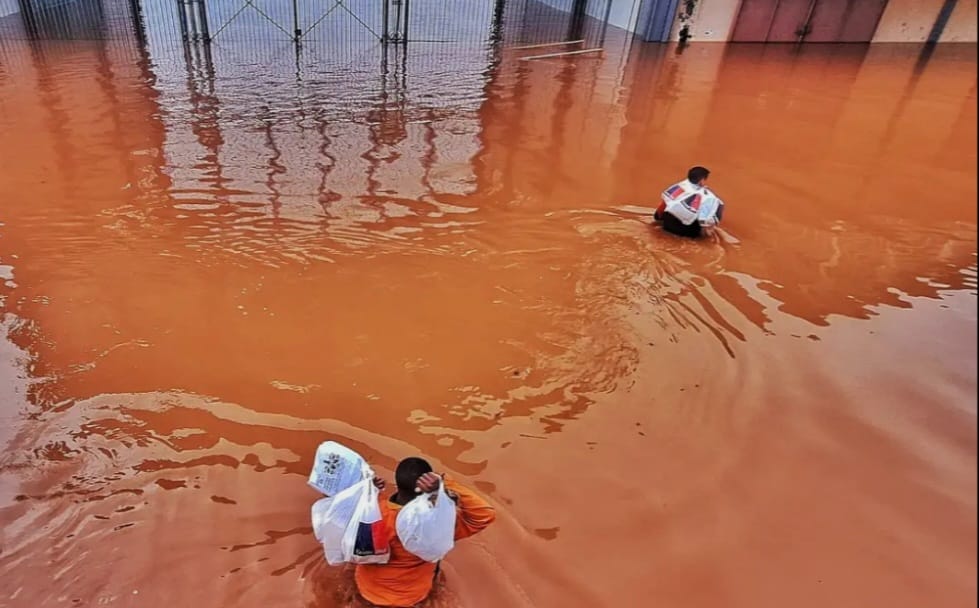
column 689, row 203
column 348, row 521
column 328, row 534
column 350, row 527
column 426, row 525
column 336, row 468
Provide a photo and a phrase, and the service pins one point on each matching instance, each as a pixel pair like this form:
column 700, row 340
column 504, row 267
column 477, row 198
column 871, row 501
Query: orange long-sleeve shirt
column 407, row 579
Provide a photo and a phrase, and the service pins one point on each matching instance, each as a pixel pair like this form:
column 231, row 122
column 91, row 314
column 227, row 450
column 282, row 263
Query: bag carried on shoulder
column 426, row 525
column 336, row 468
column 689, row 204
column 348, row 523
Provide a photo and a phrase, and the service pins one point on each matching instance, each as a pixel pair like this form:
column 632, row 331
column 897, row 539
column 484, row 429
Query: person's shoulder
column 388, row 506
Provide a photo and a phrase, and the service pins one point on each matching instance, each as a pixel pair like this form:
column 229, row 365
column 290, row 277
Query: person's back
column 407, row 579
column 680, row 211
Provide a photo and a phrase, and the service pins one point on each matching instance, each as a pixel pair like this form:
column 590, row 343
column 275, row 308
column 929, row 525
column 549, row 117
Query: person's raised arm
column 473, row 513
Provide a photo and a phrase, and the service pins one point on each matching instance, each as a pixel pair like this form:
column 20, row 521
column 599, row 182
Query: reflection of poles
column 104, row 78
column 325, row 195
column 159, row 179
column 204, row 113
column 431, row 155
column 275, row 167
column 386, row 121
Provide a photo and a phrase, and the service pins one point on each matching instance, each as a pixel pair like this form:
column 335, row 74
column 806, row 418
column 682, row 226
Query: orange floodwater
column 209, row 265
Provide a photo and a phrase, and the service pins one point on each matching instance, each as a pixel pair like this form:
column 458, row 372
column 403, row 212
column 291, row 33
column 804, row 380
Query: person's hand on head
column 429, row 482
column 379, row 483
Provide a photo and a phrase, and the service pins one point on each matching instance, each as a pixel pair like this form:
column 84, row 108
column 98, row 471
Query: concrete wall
column 710, row 20
column 907, row 20
column 912, row 20
column 961, row 26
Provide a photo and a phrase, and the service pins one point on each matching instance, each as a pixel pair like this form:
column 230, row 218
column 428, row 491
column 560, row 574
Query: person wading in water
column 406, row 580
column 688, row 207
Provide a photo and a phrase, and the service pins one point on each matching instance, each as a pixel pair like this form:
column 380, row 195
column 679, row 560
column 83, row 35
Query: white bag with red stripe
column 689, row 203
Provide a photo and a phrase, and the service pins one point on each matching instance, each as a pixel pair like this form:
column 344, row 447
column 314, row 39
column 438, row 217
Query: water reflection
column 210, row 184
column 195, row 174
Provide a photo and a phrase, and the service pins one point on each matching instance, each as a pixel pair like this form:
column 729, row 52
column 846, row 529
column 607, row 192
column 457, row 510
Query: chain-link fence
column 337, row 25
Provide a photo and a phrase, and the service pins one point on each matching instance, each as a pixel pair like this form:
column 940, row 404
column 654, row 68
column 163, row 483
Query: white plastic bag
column 711, row 209
column 689, row 203
column 336, row 468
column 350, row 527
column 348, row 521
column 426, row 525
column 328, row 532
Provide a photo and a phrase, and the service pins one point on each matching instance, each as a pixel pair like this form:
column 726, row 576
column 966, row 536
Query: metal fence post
column 404, row 32
column 136, row 14
column 295, row 20
column 385, row 10
column 608, row 12
column 202, row 16
column 182, row 17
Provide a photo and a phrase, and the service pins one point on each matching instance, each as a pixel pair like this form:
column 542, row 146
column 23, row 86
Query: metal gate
column 258, row 25
column 269, row 20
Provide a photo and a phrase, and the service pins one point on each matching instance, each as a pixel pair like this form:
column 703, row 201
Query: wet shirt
column 407, row 579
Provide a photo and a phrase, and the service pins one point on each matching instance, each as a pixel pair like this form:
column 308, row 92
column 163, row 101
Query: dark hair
column 408, row 472
column 697, row 174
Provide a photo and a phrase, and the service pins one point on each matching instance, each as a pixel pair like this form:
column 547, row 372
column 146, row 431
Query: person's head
column 698, row 175
column 407, row 474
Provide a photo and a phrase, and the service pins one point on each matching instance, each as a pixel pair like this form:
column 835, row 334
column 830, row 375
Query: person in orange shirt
column 406, row 580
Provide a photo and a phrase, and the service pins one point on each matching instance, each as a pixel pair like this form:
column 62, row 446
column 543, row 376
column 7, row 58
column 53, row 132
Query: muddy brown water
column 207, row 269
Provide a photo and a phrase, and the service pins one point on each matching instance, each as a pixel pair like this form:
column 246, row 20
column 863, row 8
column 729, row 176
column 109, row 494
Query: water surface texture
column 212, row 261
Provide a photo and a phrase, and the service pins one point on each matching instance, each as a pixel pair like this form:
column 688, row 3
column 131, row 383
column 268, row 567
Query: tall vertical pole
column 136, row 14
column 608, row 12
column 385, row 10
column 404, row 32
column 30, row 22
column 806, row 26
column 295, row 20
column 202, row 17
column 941, row 21
column 577, row 21
column 496, row 29
column 182, row 16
